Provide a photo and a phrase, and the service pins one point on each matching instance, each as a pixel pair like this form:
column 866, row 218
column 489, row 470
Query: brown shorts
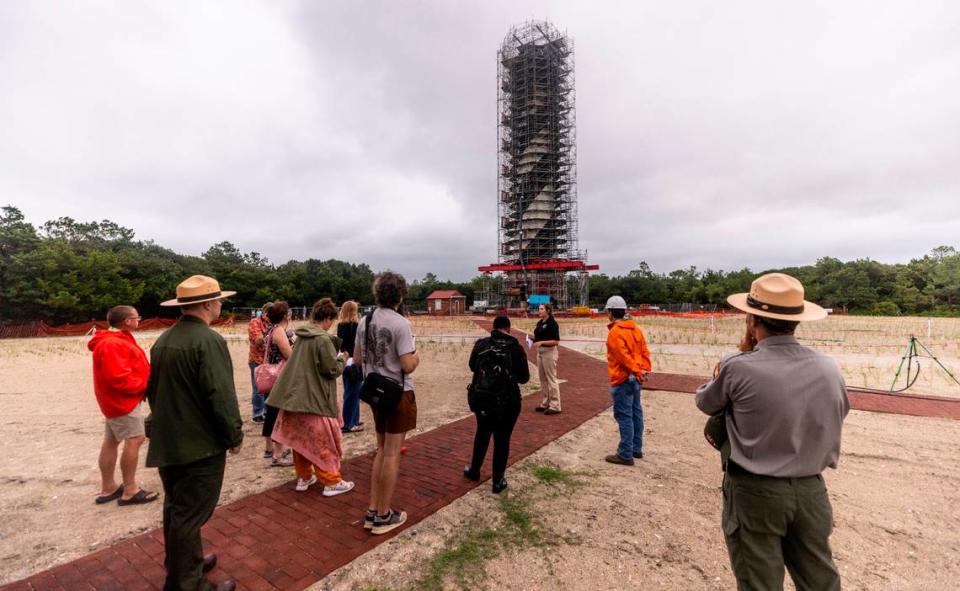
column 401, row 419
column 126, row 426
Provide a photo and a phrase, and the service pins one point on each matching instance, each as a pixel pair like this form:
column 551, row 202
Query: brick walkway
column 283, row 540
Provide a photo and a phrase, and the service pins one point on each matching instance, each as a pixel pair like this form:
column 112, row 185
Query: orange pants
column 305, row 469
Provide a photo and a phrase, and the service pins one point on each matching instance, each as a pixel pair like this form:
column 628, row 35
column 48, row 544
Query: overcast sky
column 716, row 134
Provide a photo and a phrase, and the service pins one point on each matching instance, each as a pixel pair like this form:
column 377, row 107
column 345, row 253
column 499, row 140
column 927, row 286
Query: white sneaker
column 303, row 485
column 337, row 489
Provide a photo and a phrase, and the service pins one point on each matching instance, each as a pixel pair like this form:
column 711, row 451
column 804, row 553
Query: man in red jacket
column 120, row 374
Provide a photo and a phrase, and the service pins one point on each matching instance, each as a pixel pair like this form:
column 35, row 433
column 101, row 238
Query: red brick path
column 281, row 539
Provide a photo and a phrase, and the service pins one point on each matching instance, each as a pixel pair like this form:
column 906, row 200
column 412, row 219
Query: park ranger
column 195, row 420
column 784, row 406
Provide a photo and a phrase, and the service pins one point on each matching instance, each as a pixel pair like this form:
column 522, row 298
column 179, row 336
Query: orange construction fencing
column 42, row 329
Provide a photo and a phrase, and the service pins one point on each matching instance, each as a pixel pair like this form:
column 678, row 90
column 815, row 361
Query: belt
column 547, row 346
column 736, row 469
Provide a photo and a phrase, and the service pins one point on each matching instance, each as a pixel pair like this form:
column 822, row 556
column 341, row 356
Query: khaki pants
column 770, row 523
column 547, row 368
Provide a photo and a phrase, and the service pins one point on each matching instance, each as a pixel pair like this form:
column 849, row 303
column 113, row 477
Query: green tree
column 78, row 287
column 17, row 240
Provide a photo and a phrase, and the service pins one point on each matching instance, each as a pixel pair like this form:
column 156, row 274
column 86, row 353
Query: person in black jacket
column 499, row 423
column 347, row 331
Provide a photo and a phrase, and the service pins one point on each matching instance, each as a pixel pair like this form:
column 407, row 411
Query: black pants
column 191, row 492
column 500, row 428
column 269, row 420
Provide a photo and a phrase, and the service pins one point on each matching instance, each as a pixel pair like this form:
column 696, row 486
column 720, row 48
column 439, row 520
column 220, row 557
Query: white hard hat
column 616, row 303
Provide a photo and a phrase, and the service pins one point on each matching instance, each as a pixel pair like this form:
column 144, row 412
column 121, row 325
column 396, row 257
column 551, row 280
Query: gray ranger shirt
column 788, row 404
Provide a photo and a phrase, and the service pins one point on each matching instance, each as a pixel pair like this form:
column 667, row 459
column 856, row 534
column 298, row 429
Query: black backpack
column 492, row 379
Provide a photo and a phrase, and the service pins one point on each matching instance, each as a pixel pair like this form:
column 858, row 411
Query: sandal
column 142, row 497
column 100, row 500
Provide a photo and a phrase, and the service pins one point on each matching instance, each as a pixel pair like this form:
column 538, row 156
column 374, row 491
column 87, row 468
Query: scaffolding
column 537, row 168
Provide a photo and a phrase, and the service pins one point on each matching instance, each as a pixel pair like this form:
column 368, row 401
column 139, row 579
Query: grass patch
column 519, row 522
column 553, row 475
column 465, row 563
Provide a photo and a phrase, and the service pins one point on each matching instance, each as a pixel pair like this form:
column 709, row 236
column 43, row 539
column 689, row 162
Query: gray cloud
column 748, row 134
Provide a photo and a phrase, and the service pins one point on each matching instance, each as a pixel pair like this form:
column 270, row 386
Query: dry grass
column 868, row 349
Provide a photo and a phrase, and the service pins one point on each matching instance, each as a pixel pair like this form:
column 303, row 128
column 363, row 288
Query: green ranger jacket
column 193, row 402
column 308, row 382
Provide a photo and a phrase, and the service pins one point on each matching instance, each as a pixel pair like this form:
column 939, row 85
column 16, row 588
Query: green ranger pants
column 771, row 523
column 190, row 494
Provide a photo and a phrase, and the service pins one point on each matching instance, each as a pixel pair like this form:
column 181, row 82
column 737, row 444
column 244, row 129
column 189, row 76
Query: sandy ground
column 656, row 526
column 51, row 429
column 653, row 526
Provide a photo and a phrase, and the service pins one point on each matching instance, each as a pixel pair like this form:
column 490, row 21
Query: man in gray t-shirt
column 389, row 350
column 392, row 338
column 784, row 406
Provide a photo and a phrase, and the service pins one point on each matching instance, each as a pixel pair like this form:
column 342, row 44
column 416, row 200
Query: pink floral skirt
column 317, row 438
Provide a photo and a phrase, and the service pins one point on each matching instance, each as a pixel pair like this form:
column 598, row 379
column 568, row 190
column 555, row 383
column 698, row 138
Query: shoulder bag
column 266, row 374
column 381, row 392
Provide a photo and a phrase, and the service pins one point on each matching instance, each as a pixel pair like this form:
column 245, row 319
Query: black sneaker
column 616, row 459
column 638, row 455
column 389, row 522
column 540, row 408
column 470, row 475
column 551, row 411
column 499, row 487
column 258, row 419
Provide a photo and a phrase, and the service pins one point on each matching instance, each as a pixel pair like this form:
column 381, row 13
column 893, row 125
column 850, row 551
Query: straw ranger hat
column 196, row 289
column 776, row 295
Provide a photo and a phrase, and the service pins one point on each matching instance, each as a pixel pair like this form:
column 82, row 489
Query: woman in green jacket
column 306, row 394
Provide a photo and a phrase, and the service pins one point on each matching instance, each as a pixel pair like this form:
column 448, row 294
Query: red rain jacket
column 120, row 372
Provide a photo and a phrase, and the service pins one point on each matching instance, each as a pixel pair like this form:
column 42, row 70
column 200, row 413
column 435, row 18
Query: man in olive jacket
column 195, row 420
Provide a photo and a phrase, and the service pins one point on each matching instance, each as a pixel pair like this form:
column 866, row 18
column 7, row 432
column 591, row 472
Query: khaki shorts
column 126, row 426
column 399, row 420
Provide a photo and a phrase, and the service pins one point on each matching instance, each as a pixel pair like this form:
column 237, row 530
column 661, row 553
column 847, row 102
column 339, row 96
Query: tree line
column 70, row 271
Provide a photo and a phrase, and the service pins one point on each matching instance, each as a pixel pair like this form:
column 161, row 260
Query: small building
column 446, row 302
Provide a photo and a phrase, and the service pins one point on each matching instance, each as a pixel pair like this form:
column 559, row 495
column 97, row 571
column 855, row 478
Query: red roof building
column 446, row 302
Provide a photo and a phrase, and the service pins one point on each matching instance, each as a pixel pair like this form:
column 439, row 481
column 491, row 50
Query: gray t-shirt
column 787, row 404
column 393, row 337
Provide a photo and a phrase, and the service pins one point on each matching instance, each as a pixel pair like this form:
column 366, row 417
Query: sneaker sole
column 379, row 530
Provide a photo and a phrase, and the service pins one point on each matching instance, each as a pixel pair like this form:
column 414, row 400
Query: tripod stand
column 910, row 358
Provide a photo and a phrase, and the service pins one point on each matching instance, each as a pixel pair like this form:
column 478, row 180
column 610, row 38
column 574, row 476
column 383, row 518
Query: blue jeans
column 351, row 403
column 259, row 408
column 629, row 416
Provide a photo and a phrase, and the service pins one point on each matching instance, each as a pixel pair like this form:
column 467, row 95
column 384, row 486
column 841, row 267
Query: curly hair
column 323, row 309
column 389, row 289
